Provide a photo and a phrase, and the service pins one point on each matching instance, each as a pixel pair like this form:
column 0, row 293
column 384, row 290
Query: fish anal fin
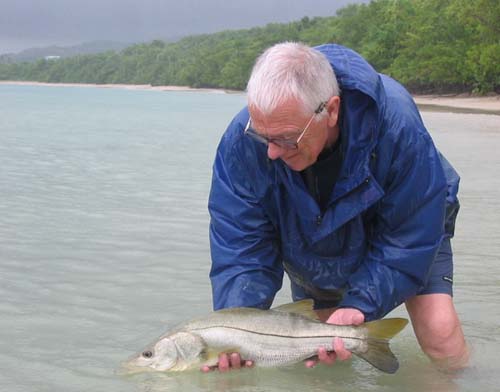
column 380, row 355
column 304, row 307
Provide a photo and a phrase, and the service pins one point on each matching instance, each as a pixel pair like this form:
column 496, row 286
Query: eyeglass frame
column 284, row 143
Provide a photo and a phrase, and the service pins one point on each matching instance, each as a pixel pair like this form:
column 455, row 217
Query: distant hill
column 34, row 54
column 431, row 46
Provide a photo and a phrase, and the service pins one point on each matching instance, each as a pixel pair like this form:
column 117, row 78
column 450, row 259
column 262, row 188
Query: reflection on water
column 104, row 245
column 417, row 374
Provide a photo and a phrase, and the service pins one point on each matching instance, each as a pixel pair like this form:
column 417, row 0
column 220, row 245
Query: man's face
column 288, row 121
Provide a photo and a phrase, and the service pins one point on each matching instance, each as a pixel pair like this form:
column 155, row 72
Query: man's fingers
column 223, row 363
column 338, row 347
column 358, row 318
column 310, row 363
column 346, row 316
column 228, row 362
column 326, row 357
column 329, row 357
column 235, row 361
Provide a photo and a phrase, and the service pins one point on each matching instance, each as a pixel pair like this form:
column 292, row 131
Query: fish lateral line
column 285, row 336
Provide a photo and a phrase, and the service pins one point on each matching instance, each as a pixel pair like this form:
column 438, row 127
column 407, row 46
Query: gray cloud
column 28, row 23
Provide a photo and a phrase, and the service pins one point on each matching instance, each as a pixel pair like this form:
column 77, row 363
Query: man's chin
column 297, row 162
column 296, row 166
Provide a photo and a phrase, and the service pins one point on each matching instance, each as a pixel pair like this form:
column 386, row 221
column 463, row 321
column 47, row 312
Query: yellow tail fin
column 378, row 353
column 385, row 328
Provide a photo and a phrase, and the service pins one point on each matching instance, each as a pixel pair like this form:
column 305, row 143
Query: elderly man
column 330, row 176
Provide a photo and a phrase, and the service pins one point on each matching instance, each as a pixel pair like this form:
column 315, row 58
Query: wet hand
column 228, row 362
column 329, row 357
column 343, row 316
column 346, row 316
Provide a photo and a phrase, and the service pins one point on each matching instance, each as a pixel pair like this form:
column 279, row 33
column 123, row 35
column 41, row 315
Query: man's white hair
column 291, row 71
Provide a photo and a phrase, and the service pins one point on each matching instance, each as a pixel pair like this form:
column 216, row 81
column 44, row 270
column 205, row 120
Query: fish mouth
column 131, row 371
column 128, row 368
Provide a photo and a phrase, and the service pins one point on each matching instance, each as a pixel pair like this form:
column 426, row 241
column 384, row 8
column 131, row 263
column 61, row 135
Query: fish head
column 191, row 350
column 176, row 352
column 160, row 356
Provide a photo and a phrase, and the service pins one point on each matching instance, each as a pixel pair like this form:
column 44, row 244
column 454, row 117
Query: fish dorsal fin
column 303, row 307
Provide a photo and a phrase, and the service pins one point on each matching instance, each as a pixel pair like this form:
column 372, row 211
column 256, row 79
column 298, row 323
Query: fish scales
column 266, row 350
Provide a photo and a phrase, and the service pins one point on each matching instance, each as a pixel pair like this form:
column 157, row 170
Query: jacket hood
column 362, row 113
column 353, row 72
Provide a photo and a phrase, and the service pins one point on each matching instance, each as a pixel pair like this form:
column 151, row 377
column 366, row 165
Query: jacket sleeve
column 246, row 268
column 405, row 230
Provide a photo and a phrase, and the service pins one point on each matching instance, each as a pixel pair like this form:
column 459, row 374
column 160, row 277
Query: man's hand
column 343, row 316
column 228, row 362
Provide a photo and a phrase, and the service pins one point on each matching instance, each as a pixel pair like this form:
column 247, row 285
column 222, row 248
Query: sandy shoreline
column 487, row 104
column 121, row 86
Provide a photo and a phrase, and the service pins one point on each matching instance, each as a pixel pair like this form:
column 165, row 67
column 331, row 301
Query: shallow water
column 103, row 243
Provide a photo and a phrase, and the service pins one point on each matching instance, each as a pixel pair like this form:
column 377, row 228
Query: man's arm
column 246, row 268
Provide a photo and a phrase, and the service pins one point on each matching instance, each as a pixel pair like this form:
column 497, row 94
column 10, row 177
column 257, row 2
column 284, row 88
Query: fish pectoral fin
column 380, row 355
column 304, row 307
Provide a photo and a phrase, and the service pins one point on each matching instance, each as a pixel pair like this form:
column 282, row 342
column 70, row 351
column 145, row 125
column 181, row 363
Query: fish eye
column 147, row 354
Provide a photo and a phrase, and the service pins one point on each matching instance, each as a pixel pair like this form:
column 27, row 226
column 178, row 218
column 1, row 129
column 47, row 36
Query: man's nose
column 274, row 151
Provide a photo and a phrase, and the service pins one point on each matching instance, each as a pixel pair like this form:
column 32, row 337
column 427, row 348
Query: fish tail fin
column 385, row 329
column 378, row 352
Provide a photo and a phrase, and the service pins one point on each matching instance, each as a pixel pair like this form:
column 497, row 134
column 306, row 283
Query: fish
column 280, row 336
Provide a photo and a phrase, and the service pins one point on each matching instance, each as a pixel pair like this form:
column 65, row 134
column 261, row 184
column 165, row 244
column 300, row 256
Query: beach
column 460, row 102
column 122, row 86
column 475, row 103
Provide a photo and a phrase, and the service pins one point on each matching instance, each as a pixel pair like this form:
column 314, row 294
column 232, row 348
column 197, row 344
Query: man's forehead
column 287, row 112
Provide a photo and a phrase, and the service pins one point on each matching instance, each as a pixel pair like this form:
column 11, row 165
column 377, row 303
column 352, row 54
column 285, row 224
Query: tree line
column 429, row 45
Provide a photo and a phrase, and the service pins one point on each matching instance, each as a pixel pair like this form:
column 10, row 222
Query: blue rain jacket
column 393, row 203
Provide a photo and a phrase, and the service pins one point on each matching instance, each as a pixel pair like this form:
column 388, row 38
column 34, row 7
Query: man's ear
column 333, row 109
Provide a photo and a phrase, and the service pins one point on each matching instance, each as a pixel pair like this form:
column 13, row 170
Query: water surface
column 103, row 243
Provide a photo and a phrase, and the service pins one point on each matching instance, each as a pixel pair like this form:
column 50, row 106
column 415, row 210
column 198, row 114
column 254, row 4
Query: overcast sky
column 31, row 23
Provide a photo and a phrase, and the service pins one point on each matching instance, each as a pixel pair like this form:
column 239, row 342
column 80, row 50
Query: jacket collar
column 363, row 105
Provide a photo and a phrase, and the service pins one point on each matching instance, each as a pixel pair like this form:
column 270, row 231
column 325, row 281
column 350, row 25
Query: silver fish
column 277, row 337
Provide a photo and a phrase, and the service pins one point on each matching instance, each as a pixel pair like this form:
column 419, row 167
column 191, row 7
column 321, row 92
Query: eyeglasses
column 287, row 143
